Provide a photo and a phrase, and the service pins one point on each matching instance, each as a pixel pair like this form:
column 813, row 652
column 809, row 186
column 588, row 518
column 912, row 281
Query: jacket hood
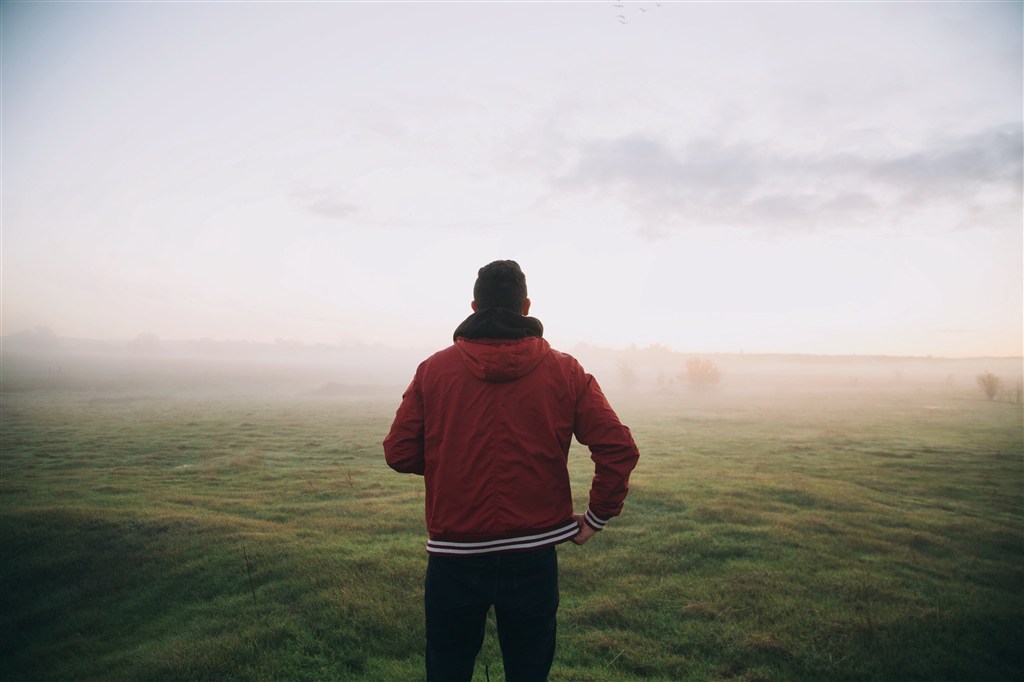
column 501, row 360
column 497, row 344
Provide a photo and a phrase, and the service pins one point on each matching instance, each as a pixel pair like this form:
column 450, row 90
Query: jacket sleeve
column 403, row 446
column 611, row 448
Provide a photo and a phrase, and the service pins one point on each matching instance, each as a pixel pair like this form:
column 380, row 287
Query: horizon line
column 292, row 344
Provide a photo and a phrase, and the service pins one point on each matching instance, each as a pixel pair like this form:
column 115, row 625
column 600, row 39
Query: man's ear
column 472, row 304
column 526, row 307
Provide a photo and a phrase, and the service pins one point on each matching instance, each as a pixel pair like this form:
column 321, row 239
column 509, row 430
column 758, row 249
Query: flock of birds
column 623, row 19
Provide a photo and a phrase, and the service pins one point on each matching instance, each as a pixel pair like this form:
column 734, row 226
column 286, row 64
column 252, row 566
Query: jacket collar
column 498, row 323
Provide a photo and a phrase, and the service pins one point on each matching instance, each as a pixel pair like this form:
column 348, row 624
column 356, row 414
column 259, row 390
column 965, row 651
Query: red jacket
column 488, row 423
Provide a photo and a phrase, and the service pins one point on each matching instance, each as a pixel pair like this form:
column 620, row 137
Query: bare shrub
column 989, row 384
column 701, row 373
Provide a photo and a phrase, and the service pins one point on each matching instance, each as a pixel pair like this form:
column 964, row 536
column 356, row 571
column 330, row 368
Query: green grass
column 843, row 536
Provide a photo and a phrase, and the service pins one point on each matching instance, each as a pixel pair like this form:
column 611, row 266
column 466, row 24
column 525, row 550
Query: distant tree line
column 701, row 373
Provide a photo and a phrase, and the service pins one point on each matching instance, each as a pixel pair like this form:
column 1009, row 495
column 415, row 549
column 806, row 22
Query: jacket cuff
column 595, row 522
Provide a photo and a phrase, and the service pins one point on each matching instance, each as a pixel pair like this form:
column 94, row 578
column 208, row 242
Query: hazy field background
column 223, row 512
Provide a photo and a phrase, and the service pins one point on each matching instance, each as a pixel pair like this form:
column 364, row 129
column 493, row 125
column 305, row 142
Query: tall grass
column 149, row 536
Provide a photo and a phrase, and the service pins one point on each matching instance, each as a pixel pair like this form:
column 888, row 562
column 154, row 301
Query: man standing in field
column 488, row 422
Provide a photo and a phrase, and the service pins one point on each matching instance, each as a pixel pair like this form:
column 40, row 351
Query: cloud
column 326, row 203
column 975, row 177
column 989, row 158
column 330, row 208
column 647, row 164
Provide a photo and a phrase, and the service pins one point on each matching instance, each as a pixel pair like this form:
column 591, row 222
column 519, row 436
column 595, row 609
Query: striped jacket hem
column 513, row 544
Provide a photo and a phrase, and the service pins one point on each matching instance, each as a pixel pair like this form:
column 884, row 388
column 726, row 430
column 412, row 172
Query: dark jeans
column 459, row 590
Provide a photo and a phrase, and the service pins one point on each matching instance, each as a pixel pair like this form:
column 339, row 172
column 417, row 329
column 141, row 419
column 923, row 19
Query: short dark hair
column 500, row 284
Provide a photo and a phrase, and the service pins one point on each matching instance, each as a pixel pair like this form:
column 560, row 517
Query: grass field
column 149, row 531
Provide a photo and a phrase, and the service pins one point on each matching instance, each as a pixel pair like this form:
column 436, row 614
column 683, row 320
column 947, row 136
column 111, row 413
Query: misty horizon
column 210, row 369
column 44, row 339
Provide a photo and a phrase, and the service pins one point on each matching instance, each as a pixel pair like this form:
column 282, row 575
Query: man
column 488, row 422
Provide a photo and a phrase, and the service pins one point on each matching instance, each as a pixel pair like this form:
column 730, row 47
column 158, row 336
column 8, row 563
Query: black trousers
column 459, row 590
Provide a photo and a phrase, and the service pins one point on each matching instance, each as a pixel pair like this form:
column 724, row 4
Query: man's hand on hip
column 586, row 532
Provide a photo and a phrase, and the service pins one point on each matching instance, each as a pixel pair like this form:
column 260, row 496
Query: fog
column 40, row 363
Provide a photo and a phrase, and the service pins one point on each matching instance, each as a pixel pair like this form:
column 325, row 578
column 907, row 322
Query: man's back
column 489, row 423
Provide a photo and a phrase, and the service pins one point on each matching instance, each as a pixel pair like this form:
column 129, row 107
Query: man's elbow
column 403, row 462
column 406, row 467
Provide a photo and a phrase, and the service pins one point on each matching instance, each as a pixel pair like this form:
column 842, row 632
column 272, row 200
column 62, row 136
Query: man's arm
column 613, row 452
column 403, row 446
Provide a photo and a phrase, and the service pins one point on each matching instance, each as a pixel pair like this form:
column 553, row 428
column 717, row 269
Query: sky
column 826, row 177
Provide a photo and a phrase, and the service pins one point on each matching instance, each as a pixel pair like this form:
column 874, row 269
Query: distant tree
column 145, row 343
column 38, row 338
column 989, row 384
column 627, row 374
column 701, row 373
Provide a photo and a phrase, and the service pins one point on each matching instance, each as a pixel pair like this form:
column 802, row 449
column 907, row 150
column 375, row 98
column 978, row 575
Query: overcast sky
column 768, row 177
